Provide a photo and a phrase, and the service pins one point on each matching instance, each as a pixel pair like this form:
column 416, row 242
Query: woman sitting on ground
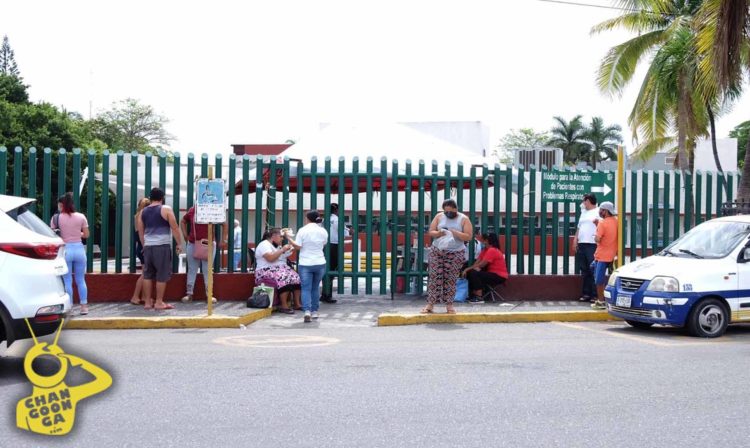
column 271, row 269
column 489, row 270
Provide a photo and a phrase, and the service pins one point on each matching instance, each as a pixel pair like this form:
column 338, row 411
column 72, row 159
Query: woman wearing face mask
column 449, row 230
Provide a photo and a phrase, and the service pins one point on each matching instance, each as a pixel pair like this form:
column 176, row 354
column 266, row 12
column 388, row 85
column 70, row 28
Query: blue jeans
column 311, row 277
column 75, row 257
column 192, row 269
column 237, row 258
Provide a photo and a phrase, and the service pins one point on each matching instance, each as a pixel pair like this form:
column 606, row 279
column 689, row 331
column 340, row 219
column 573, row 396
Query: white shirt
column 266, row 247
column 587, row 227
column 312, row 239
column 334, row 229
column 238, row 237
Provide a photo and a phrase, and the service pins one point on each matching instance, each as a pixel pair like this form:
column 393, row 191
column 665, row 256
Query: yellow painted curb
column 389, row 320
column 135, row 323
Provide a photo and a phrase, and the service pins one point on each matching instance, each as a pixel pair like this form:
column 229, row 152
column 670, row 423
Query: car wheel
column 708, row 319
column 636, row 324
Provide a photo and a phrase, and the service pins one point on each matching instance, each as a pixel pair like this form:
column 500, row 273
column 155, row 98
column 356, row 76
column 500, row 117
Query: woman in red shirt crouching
column 489, row 270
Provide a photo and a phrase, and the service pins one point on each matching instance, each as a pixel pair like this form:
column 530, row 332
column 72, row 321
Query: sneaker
column 315, row 315
column 308, row 317
column 585, row 299
column 475, row 299
column 187, row 298
column 597, row 305
column 213, row 299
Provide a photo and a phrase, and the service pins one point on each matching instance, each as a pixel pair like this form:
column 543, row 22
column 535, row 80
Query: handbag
column 262, row 297
column 462, row 290
column 200, row 250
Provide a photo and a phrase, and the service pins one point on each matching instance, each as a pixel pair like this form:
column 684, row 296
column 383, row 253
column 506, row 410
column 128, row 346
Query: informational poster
column 209, row 201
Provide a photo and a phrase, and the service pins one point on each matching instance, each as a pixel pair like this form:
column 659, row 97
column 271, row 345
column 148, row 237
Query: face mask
column 451, row 215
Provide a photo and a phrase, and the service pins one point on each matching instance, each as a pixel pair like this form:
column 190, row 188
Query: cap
column 608, row 206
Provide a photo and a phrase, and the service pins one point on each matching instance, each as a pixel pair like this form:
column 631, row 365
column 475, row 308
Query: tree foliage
column 569, row 136
column 132, row 126
column 8, row 64
column 742, row 133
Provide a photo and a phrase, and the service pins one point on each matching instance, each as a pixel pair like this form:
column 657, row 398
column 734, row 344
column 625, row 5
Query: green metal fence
column 389, row 205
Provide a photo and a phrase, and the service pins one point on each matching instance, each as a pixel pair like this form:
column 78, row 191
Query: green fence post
column 472, row 207
column 134, row 199
column 285, row 194
column 420, row 229
column 259, row 193
column 368, row 228
column 448, row 181
column 17, row 171
column 104, row 237
column 496, row 202
column 689, row 203
column 394, row 224
column 76, row 178
column 90, row 210
column 32, row 180
column 232, row 199
column 519, row 222
column 3, row 169
column 355, row 227
column 655, row 213
column 730, row 187
column 633, row 215
column 204, row 166
column 301, row 176
column 543, row 230
column 314, row 182
column 341, row 200
column 147, row 166
column 665, row 207
column 118, row 210
column 508, row 215
column 698, row 199
column 190, row 179
column 719, row 192
column 162, row 156
column 219, row 229
column 677, row 201
column 555, row 238
column 383, row 234
column 245, row 209
column 327, row 179
column 566, row 238
column 46, row 183
column 176, row 196
column 62, row 171
column 709, row 195
column 271, row 199
column 485, row 199
column 532, row 219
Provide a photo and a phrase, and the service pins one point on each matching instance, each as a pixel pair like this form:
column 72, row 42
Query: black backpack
column 259, row 299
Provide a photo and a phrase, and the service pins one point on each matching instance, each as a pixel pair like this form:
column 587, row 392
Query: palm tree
column 602, row 140
column 568, row 136
column 669, row 98
column 724, row 46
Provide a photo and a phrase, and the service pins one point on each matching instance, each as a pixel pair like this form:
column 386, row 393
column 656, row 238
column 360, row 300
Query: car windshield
column 28, row 219
column 714, row 239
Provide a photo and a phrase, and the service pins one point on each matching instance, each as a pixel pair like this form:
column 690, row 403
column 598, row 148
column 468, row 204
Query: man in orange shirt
column 606, row 249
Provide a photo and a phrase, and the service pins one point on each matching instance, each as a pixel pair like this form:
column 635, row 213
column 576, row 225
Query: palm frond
column 619, row 65
column 648, row 149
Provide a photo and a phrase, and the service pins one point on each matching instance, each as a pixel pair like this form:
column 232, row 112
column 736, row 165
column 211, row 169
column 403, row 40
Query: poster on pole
column 209, row 203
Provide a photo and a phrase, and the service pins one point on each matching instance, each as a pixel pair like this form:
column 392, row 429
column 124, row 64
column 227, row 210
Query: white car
column 32, row 263
column 700, row 282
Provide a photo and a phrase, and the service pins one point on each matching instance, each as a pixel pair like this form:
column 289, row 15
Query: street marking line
column 642, row 339
column 275, row 341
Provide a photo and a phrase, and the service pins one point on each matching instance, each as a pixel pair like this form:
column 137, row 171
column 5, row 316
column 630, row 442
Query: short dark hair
column 492, row 239
column 591, row 197
column 156, row 194
column 271, row 231
column 450, row 203
column 334, row 207
column 314, row 216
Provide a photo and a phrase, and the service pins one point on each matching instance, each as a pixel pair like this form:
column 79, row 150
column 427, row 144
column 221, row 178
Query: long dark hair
column 67, row 203
column 271, row 231
column 492, row 239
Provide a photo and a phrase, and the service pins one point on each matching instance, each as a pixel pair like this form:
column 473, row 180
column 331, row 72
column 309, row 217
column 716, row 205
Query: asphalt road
column 280, row 383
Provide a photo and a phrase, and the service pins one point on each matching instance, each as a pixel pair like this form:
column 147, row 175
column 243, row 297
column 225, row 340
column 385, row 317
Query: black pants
column 584, row 258
column 479, row 279
column 334, row 262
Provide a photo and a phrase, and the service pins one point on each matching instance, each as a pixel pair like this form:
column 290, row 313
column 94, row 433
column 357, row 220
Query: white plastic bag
column 444, row 242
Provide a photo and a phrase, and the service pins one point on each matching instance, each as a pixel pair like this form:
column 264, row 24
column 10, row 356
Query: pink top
column 71, row 226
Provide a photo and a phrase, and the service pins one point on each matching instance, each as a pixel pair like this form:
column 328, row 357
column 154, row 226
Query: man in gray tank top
column 156, row 226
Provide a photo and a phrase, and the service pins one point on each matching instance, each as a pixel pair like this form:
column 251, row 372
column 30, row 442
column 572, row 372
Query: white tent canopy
column 377, row 140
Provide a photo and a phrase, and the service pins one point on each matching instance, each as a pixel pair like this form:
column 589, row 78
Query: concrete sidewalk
column 370, row 310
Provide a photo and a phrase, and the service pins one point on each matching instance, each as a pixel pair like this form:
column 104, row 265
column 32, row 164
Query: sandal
column 426, row 310
column 139, row 302
column 286, row 310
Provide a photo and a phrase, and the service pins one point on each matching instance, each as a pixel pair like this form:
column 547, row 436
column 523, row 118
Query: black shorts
column 157, row 263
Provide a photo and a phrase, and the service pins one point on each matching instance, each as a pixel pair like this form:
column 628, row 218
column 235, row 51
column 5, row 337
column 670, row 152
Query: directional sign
column 570, row 186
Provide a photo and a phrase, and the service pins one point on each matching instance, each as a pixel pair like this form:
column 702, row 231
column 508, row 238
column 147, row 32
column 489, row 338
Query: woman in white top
column 311, row 239
column 271, row 269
